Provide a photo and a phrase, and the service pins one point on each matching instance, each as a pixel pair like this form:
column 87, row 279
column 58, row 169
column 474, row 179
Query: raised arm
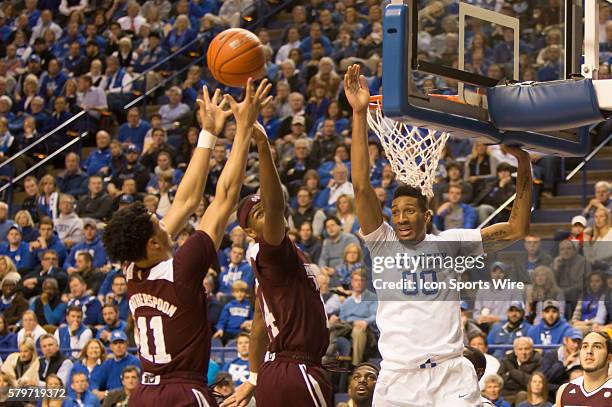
column 230, row 182
column 272, row 196
column 369, row 212
column 500, row 235
column 190, row 190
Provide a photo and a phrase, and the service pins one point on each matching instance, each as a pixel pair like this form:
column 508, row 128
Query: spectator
column 24, row 220
column 338, row 185
column 48, row 201
column 73, row 335
column 570, row 270
column 17, row 250
column 134, row 130
column 602, row 199
column 591, row 308
column 52, row 361
column 494, row 193
column 45, row 22
column 132, row 170
column 552, row 328
column 308, row 243
column 90, row 361
column 52, row 81
column 158, row 143
column 305, row 212
column 92, row 276
column 69, row 226
column 47, row 240
column 239, row 367
column 293, row 171
column 543, row 287
column 12, row 303
column 23, row 366
column 32, row 282
column 492, row 390
column 117, row 80
column 237, row 314
column 345, row 211
column 8, row 339
column 334, row 245
column 53, row 382
column 493, row 302
column 537, row 392
column 506, row 332
column 330, row 299
column 72, row 180
column 316, row 35
column 5, row 222
column 358, row 313
column 118, row 296
column 130, row 376
column 174, row 111
column 97, row 204
column 523, row 268
column 110, row 374
column 99, row 161
column 579, row 223
column 164, row 165
column 517, row 366
column 479, row 341
column 110, row 315
column 351, row 260
column 49, row 308
column 237, row 269
column 293, row 41
column 30, row 203
column 454, row 214
column 92, row 310
column 133, row 20
column 8, row 269
column 361, row 386
column 80, row 395
column 30, row 328
column 91, row 99
column 598, row 248
column 453, row 170
column 558, row 363
column 326, row 141
column 223, row 385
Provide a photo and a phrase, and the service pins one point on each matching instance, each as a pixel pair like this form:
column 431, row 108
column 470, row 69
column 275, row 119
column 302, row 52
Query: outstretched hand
column 259, row 133
column 246, row 112
column 356, row 89
column 212, row 113
column 241, row 396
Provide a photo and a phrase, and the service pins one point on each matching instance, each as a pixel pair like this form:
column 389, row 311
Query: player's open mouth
column 361, row 390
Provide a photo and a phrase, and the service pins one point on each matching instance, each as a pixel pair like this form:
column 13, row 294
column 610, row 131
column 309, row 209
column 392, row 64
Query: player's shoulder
column 198, row 245
column 384, row 232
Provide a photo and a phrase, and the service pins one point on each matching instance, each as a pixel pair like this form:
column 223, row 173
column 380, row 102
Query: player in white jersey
column 420, row 329
column 595, row 387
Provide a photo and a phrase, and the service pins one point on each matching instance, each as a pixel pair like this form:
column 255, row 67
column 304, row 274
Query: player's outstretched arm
column 191, row 188
column 369, row 211
column 257, row 350
column 230, row 182
column 500, row 235
column 272, row 196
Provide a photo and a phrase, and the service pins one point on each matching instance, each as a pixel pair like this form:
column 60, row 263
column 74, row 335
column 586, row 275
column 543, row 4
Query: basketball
column 235, row 55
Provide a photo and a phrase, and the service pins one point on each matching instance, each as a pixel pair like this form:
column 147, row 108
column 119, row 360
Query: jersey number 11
column 160, row 356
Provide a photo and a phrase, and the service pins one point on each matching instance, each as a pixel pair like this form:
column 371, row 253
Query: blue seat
column 216, row 355
column 230, row 351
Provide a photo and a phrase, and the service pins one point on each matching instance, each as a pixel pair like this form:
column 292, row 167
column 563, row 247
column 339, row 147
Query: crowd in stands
column 65, row 319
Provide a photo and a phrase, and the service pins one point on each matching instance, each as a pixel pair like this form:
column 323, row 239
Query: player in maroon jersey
column 289, row 313
column 165, row 291
column 595, row 387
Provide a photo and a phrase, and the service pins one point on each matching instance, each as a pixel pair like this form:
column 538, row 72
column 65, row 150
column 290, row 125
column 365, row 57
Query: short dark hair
column 304, row 188
column 128, row 232
column 456, row 186
column 606, row 337
column 453, row 164
column 74, row 308
column 504, row 167
column 87, row 255
column 129, row 369
column 116, row 276
column 334, row 218
column 245, row 334
column 477, row 358
column 406, row 190
column 76, row 277
column 111, row 305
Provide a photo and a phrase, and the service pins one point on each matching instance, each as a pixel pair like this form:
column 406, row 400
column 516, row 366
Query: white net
column 413, row 152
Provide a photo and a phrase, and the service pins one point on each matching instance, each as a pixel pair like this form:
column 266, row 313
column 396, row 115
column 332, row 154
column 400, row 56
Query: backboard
column 454, row 47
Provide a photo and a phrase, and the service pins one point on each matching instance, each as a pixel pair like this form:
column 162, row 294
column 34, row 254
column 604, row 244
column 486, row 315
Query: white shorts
column 452, row 383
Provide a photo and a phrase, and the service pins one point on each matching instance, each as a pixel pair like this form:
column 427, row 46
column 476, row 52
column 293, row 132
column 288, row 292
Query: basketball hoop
column 413, row 152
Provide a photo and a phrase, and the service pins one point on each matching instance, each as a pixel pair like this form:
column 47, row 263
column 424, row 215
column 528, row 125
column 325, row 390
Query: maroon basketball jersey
column 290, row 301
column 575, row 395
column 168, row 303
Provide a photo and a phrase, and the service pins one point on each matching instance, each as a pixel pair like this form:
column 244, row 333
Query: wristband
column 253, row 378
column 206, row 139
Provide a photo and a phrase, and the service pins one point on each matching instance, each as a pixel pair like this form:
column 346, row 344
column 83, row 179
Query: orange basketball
column 234, row 55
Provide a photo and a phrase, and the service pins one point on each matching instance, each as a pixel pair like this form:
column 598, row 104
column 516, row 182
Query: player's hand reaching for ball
column 212, row 113
column 241, row 396
column 356, row 89
column 246, row 112
column 259, row 133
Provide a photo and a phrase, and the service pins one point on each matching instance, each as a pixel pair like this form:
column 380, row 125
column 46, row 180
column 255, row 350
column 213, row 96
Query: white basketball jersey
column 419, row 322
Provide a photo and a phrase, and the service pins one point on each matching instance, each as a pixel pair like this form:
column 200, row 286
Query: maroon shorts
column 282, row 383
column 175, row 392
